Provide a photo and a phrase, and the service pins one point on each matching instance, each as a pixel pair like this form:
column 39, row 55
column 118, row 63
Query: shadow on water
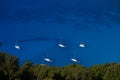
column 0, row 43
column 37, row 39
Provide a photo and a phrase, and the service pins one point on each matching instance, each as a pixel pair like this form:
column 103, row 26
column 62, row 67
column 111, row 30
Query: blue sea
column 37, row 27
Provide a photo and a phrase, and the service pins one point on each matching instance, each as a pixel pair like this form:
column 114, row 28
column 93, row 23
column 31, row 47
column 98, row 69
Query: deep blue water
column 38, row 26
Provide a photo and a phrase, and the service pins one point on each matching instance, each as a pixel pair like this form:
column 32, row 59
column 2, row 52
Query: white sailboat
column 82, row 45
column 74, row 59
column 61, row 45
column 17, row 46
column 47, row 59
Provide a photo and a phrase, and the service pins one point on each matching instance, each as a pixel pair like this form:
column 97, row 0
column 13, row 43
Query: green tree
column 100, row 70
column 113, row 72
column 9, row 65
column 41, row 71
column 54, row 73
column 72, row 72
column 26, row 72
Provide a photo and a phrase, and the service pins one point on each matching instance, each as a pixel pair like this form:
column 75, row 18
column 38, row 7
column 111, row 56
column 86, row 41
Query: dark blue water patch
column 86, row 27
column 0, row 43
column 40, row 10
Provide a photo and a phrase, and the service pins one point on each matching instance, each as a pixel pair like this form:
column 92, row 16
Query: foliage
column 8, row 66
column 25, row 72
column 72, row 72
column 10, row 70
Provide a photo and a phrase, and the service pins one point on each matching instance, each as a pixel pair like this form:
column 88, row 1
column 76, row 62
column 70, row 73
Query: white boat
column 82, row 45
column 61, row 45
column 74, row 60
column 17, row 47
column 47, row 59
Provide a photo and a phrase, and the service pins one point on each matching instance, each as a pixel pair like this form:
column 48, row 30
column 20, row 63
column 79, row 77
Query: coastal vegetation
column 10, row 70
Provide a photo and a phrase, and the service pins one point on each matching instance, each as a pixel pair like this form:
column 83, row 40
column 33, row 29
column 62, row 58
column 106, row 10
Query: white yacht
column 47, row 59
column 82, row 45
column 74, row 60
column 61, row 45
column 17, row 47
